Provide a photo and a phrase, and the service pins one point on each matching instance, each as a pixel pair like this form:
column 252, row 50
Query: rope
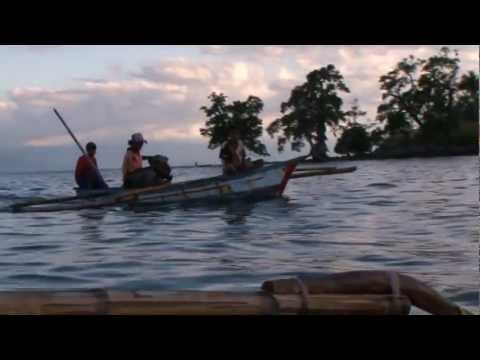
column 395, row 287
column 394, row 284
column 303, row 293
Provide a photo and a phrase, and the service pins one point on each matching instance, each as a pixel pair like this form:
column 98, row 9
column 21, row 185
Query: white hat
column 137, row 138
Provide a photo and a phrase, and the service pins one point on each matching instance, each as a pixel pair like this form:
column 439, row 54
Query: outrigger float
column 350, row 293
column 267, row 182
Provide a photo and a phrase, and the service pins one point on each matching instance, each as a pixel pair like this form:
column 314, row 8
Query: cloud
column 7, row 105
column 234, row 78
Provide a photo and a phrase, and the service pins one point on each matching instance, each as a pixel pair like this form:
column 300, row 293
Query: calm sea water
column 419, row 217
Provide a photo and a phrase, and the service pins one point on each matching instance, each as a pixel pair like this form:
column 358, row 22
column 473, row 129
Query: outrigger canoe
column 269, row 181
column 263, row 183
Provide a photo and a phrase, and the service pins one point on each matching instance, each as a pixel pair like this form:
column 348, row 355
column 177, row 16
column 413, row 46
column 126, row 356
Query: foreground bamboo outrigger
column 350, row 293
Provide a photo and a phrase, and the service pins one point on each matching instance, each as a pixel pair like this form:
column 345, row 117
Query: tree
column 240, row 115
column 438, row 84
column 310, row 109
column 401, row 93
column 355, row 138
column 420, row 94
column 467, row 98
column 467, row 111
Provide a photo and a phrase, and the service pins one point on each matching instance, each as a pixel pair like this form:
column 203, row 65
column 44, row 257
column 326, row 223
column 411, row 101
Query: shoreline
column 329, row 159
column 391, row 157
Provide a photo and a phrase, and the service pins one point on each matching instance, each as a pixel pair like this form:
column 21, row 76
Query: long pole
column 78, row 144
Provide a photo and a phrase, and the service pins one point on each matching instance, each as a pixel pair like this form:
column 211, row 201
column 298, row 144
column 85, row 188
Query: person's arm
column 126, row 164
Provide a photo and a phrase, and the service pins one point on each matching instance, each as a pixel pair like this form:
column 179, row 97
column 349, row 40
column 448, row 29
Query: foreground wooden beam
column 349, row 293
column 102, row 302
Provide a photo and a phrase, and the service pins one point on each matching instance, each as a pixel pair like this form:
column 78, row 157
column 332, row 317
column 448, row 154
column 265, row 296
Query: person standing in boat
column 134, row 174
column 86, row 175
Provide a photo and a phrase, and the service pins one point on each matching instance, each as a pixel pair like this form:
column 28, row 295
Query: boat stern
column 288, row 170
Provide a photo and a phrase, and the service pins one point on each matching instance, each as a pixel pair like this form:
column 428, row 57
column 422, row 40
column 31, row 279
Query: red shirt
column 84, row 166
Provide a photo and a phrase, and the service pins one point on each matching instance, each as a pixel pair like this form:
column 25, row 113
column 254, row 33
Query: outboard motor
column 160, row 165
column 156, row 174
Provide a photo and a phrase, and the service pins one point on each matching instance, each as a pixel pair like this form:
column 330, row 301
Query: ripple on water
column 382, row 185
column 385, row 203
column 34, row 248
column 66, row 268
column 20, row 234
column 412, row 263
column 45, row 279
column 118, row 264
column 23, row 264
column 373, row 258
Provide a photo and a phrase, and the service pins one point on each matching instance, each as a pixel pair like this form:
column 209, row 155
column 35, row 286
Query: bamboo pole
column 349, row 293
column 125, row 196
column 19, row 206
column 321, row 173
column 106, row 302
column 373, row 282
column 315, row 169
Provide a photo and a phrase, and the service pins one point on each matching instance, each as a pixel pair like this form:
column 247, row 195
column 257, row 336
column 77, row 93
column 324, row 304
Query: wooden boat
column 349, row 293
column 263, row 183
column 266, row 182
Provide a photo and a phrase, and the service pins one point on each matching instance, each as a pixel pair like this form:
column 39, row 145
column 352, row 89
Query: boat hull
column 267, row 183
column 258, row 184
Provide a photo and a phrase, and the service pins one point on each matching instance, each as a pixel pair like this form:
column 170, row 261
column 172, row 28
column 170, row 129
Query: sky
column 107, row 92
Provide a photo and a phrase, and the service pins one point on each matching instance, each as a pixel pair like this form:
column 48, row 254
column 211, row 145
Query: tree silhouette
column 240, row 115
column 425, row 106
column 310, row 109
column 355, row 139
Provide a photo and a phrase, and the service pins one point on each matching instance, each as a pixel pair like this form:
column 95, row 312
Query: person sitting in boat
column 135, row 175
column 233, row 156
column 86, row 175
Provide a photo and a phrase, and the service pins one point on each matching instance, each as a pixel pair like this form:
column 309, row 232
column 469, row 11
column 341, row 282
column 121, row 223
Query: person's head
column 91, row 149
column 137, row 141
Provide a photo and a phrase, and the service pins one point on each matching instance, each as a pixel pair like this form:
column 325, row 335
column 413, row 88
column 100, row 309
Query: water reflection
column 237, row 213
column 91, row 224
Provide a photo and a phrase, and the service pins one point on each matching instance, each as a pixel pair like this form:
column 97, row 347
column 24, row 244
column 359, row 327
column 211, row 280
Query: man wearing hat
column 134, row 175
column 86, row 175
